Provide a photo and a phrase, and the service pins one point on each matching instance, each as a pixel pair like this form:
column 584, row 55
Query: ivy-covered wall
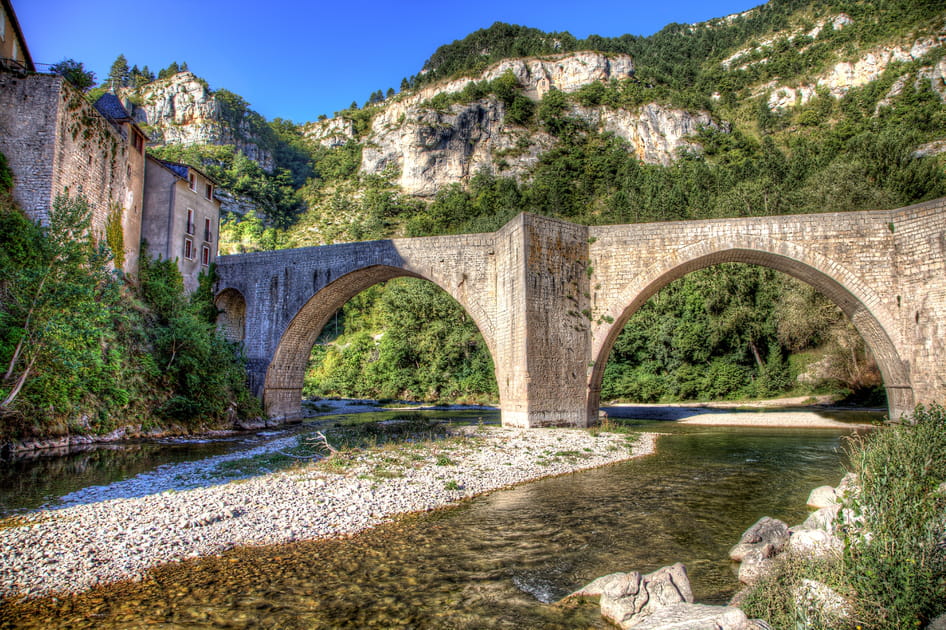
column 55, row 141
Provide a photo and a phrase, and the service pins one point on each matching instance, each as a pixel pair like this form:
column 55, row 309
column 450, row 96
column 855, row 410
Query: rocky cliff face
column 182, row 110
column 844, row 76
column 537, row 76
column 657, row 133
column 431, row 148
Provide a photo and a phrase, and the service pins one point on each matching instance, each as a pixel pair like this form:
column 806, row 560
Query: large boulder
column 822, row 497
column 754, row 565
column 768, row 536
column 696, row 617
column 662, row 600
column 814, row 542
column 822, row 519
column 631, row 598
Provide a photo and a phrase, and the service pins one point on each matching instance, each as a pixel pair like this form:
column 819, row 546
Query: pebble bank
column 100, row 541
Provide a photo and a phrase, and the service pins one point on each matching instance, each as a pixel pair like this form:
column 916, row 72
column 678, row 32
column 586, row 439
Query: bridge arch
column 282, row 389
column 855, row 298
column 231, row 319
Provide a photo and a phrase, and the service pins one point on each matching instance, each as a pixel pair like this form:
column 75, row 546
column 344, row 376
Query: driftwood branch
column 321, row 441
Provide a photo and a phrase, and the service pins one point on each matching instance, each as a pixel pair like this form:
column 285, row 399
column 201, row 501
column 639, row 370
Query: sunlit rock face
column 181, row 109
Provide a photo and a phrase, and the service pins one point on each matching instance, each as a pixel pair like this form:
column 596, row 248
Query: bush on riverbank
column 82, row 351
column 892, row 570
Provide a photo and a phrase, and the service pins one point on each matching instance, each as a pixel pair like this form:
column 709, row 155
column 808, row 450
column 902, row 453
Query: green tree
column 75, row 73
column 56, row 296
column 119, row 74
column 170, row 71
column 203, row 374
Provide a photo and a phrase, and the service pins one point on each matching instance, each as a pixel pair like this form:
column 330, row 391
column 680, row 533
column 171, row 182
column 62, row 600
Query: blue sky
column 297, row 60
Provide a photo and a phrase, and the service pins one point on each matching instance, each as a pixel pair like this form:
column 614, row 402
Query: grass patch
column 443, row 460
column 571, row 454
column 255, row 465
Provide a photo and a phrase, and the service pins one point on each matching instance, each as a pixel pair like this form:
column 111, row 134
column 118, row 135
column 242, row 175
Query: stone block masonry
column 55, row 142
column 551, row 297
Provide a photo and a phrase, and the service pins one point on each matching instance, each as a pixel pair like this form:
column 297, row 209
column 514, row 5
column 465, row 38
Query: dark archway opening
column 231, row 319
column 740, row 331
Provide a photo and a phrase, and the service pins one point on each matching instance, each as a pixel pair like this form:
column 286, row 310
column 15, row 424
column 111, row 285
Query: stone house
column 56, row 142
column 181, row 217
column 14, row 54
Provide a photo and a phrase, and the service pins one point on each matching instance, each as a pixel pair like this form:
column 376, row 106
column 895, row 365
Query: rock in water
column 768, row 534
column 696, row 617
column 628, row 600
column 822, row 497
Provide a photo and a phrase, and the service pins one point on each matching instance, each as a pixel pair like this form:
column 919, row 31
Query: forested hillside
column 795, row 106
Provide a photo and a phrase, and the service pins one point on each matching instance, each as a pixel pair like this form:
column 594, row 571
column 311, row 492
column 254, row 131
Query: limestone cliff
column 537, row 76
column 430, row 148
column 843, row 76
column 183, row 110
column 657, row 133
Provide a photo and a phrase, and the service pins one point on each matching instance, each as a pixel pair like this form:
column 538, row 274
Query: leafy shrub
column 892, row 570
column 896, row 561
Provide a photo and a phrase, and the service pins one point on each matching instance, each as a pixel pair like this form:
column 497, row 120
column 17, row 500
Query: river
column 496, row 561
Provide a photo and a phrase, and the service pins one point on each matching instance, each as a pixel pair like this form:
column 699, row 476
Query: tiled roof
column 111, row 107
column 179, row 169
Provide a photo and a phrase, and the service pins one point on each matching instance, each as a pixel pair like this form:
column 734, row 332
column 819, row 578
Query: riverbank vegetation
column 892, row 570
column 83, row 351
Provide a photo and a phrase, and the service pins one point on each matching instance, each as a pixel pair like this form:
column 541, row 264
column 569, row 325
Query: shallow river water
column 496, row 561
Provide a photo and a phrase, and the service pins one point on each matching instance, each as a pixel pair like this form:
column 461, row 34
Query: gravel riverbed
column 111, row 535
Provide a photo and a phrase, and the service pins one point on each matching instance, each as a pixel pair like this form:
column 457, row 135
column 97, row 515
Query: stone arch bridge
column 550, row 297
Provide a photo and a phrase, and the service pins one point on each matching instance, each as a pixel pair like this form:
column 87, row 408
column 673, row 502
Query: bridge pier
column 542, row 364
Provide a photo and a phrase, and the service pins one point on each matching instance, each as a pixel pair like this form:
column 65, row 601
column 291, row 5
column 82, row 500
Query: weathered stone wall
column 920, row 245
column 556, row 321
column 29, row 111
column 551, row 297
column 55, row 142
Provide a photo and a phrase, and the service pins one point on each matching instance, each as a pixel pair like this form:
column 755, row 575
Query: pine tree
column 118, row 74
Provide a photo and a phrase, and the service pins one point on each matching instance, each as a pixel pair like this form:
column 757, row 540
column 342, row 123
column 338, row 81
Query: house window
column 192, row 181
column 138, row 140
column 189, row 228
column 188, row 249
column 205, row 256
column 208, row 235
column 210, row 191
